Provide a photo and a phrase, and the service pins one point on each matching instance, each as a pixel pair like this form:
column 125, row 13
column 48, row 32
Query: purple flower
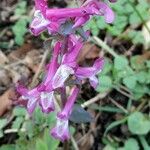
column 52, row 19
column 61, row 130
column 68, row 64
column 47, row 102
column 29, row 96
column 40, row 95
column 39, row 23
column 100, row 8
column 90, row 72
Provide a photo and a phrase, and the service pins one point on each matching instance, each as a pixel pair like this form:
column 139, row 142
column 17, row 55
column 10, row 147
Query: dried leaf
column 5, row 101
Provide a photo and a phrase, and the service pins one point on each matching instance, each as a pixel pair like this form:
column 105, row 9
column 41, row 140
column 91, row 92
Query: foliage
column 125, row 16
column 20, row 27
column 132, row 76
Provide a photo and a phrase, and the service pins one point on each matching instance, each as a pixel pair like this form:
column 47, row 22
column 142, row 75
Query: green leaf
column 19, row 111
column 107, row 67
column 136, row 62
column 109, row 147
column 120, row 62
column 19, row 30
column 140, row 91
column 138, row 123
column 141, row 77
column 1, row 134
column 41, row 145
column 51, row 118
column 21, row 8
column 3, row 122
column 148, row 63
column 17, row 123
column 52, row 143
column 105, row 83
column 7, row 147
column 131, row 144
column 114, row 124
column 130, row 81
column 108, row 108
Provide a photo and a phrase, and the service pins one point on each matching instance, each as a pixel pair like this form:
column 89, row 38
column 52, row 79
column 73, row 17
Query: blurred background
column 120, row 105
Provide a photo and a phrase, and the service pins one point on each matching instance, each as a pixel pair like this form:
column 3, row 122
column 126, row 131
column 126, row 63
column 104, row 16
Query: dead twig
column 95, row 99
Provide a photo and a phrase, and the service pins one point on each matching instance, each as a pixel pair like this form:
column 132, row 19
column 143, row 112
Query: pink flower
column 52, row 19
column 90, row 72
column 68, row 64
column 61, row 131
column 40, row 95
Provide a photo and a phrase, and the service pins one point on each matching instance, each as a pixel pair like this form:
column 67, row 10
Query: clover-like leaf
column 138, row 123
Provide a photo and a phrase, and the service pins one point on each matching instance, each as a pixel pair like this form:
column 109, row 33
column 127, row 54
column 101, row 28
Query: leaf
column 21, row 8
column 3, row 122
column 136, row 62
column 79, row 115
column 120, row 62
column 50, row 141
column 1, row 134
column 19, row 111
column 138, row 123
column 19, row 30
column 17, row 123
column 130, row 81
column 141, row 77
column 7, row 147
column 108, row 109
column 105, row 83
column 114, row 124
column 41, row 145
column 140, row 91
column 107, row 67
column 109, row 147
column 51, row 118
column 131, row 144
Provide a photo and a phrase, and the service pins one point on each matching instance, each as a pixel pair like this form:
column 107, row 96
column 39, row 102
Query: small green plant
column 20, row 27
column 126, row 17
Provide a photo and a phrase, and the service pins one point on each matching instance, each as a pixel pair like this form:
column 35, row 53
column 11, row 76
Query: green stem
column 144, row 142
column 140, row 16
column 102, row 44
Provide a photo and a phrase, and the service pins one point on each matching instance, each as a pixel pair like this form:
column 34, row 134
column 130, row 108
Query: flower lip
column 61, row 75
column 61, row 131
column 47, row 102
column 39, row 23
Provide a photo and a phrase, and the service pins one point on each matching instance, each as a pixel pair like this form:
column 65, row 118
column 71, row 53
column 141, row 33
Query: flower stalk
column 63, row 69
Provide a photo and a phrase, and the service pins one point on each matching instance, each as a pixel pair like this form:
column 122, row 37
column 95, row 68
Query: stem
column 99, row 42
column 140, row 16
column 144, row 142
column 63, row 96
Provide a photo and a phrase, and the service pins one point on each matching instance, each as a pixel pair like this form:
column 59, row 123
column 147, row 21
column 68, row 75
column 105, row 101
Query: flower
column 90, row 72
column 61, row 130
column 68, row 64
column 40, row 95
column 52, row 19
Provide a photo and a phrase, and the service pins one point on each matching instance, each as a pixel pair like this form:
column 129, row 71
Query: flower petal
column 47, row 102
column 86, row 72
column 32, row 102
column 61, row 75
column 39, row 23
column 93, row 81
column 61, row 131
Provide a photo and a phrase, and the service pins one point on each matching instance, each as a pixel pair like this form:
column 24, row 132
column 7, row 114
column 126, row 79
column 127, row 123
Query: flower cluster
column 63, row 66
